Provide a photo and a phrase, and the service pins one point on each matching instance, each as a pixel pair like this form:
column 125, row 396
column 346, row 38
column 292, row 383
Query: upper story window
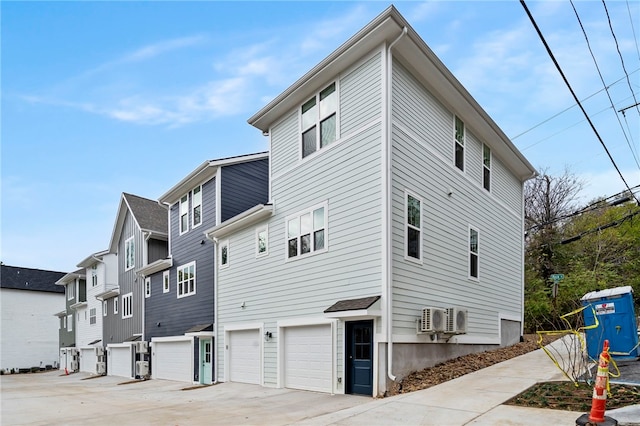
column 127, row 305
column 71, row 291
column 184, row 213
column 262, row 241
column 186, row 280
column 70, row 322
column 165, row 282
column 486, row 167
column 115, row 305
column 459, row 143
column 129, row 253
column 473, row 253
column 105, row 305
column 307, row 232
column 64, row 322
column 319, row 120
column 147, row 287
column 94, row 276
column 223, row 256
column 92, row 315
column 196, row 203
column 413, row 228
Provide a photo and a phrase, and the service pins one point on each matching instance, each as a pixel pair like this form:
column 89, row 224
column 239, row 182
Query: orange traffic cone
column 599, row 399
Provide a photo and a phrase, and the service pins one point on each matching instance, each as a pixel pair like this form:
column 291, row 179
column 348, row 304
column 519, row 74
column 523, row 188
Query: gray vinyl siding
column 285, row 138
column 360, row 95
column 243, row 186
column 505, row 186
column 157, row 249
column 473, row 158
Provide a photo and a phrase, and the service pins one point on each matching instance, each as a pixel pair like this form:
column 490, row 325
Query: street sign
column 557, row 277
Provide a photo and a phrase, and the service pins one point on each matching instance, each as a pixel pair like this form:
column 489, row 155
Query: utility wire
column 633, row 153
column 601, row 228
column 575, row 97
column 633, row 30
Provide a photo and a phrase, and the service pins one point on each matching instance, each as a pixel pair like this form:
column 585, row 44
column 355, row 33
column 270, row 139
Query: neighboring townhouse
column 100, row 270
column 139, row 237
column 179, row 290
column 28, row 300
column 74, row 284
column 393, row 237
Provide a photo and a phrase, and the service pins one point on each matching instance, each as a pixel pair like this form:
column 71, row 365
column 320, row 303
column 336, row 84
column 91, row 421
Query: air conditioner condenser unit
column 433, row 320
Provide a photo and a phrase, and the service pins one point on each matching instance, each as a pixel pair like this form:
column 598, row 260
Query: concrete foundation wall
column 509, row 332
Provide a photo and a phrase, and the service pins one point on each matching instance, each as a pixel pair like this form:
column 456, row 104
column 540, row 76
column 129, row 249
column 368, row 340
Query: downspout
column 387, row 223
column 215, row 308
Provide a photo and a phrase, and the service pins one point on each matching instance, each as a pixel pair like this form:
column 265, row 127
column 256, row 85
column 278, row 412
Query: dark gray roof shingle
column 30, row 279
column 149, row 214
column 352, row 304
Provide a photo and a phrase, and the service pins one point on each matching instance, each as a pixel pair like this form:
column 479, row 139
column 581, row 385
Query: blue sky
column 100, row 98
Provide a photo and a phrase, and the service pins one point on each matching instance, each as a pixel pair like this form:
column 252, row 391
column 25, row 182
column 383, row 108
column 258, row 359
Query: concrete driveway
column 51, row 398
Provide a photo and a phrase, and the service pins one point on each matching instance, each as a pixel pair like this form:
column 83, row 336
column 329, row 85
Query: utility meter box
column 614, row 311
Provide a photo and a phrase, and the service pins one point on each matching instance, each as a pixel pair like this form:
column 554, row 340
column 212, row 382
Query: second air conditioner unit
column 99, row 350
column 456, row 321
column 101, row 368
column 433, row 320
column 142, row 347
column 142, row 368
column 74, row 366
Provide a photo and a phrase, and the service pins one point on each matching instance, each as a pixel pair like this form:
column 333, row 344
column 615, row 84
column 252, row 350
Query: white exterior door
column 172, row 360
column 119, row 361
column 88, row 360
column 244, row 356
column 308, row 357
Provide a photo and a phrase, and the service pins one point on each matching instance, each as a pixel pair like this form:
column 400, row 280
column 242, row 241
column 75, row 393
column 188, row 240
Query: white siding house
column 391, row 191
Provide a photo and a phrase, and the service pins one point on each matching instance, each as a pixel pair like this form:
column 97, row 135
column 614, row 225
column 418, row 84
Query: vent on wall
column 433, row 320
column 456, row 321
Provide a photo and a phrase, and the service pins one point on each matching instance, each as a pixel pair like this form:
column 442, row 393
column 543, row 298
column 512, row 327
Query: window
column 473, row 253
column 262, row 241
column 184, row 214
column 413, row 229
column 459, row 143
column 127, row 305
column 105, row 305
column 115, row 305
column 70, row 322
column 318, row 118
column 306, row 232
column 223, row 254
column 129, row 253
column 486, row 167
column 64, row 322
column 94, row 276
column 147, row 287
column 165, row 282
column 92, row 316
column 196, row 202
column 187, row 280
column 71, row 291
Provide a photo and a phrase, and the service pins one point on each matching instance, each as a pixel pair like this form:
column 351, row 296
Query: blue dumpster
column 616, row 322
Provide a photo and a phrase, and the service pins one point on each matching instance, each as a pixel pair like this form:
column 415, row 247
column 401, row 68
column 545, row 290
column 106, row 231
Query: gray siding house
column 73, row 284
column 393, row 235
column 179, row 289
column 139, row 237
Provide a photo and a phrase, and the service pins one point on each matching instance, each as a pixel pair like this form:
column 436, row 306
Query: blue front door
column 359, row 335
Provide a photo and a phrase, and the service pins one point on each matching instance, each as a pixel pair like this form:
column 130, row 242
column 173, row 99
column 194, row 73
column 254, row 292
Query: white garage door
column 88, row 360
column 307, row 357
column 119, row 361
column 172, row 360
column 244, row 356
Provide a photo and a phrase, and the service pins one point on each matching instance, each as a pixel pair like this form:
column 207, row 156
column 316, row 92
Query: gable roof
column 414, row 53
column 150, row 217
column 18, row 278
column 203, row 173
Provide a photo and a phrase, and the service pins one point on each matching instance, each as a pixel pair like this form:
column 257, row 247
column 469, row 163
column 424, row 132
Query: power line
column 575, row 97
column 601, row 228
column 633, row 30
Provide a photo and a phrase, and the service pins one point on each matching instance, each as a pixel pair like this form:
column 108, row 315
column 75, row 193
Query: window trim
column 127, row 305
column 115, row 305
column 462, row 143
column 93, row 317
column 129, row 248
column 194, row 205
column 183, row 209
column 471, row 253
column 318, row 120
column 224, row 244
column 486, row 184
column 166, row 282
column 70, row 322
column 71, row 290
column 64, row 322
column 195, row 281
column 105, row 307
column 324, row 205
column 408, row 193
column 147, row 287
column 94, row 276
column 259, row 230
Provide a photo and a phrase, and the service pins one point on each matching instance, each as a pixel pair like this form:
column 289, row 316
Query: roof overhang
column 355, row 308
column 60, row 314
column 203, row 173
column 91, row 259
column 70, row 277
column 157, row 266
column 78, row 305
column 108, row 294
column 240, row 221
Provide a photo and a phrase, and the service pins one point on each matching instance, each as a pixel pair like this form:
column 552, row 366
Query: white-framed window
column 474, row 243
column 186, row 280
column 413, row 227
column 262, row 241
column 166, row 284
column 127, row 305
column 115, row 305
column 196, row 206
column 92, row 316
column 319, row 120
column 486, row 167
column 94, row 276
column 105, row 306
column 307, row 232
column 70, row 322
column 71, row 290
column 64, row 322
column 223, row 254
column 459, row 143
column 147, row 287
column 129, row 253
column 184, row 214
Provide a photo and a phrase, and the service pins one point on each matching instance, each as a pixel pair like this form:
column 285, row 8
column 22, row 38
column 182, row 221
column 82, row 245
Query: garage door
column 173, row 360
column 88, row 360
column 307, row 358
column 244, row 356
column 119, row 361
